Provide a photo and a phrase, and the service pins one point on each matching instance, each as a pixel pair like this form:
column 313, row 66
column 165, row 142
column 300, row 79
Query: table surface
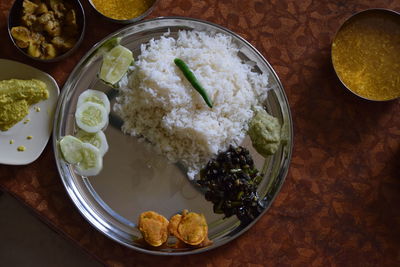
column 340, row 203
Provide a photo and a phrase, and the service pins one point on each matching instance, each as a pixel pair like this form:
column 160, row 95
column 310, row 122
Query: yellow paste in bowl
column 122, row 9
column 366, row 54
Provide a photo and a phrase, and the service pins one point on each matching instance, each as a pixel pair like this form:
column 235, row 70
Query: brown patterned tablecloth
column 340, row 204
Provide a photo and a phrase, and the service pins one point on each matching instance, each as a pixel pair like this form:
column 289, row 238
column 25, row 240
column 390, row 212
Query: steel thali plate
column 134, row 179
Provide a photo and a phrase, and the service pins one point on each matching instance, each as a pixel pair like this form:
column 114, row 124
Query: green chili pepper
column 192, row 79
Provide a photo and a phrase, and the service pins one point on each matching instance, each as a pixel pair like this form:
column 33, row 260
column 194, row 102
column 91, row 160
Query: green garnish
column 193, row 81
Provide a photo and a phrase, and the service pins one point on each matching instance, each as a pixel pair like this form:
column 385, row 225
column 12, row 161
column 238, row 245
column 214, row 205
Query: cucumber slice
column 70, row 149
column 97, row 139
column 91, row 117
column 92, row 161
column 94, row 96
column 108, row 45
column 115, row 64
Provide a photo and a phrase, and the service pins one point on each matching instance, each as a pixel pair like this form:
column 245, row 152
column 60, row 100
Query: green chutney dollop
column 265, row 133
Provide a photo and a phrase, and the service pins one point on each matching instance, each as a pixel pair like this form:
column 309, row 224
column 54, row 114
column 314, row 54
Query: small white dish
column 37, row 124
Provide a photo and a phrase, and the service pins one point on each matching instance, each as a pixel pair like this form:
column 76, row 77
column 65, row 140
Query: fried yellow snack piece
column 173, row 224
column 191, row 228
column 154, row 228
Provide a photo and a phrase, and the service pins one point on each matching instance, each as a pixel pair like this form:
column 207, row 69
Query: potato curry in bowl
column 46, row 30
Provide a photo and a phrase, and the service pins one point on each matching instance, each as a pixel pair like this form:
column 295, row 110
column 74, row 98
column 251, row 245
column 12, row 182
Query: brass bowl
column 365, row 15
column 126, row 21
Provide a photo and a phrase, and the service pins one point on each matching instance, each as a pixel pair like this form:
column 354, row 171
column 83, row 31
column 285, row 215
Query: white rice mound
column 158, row 104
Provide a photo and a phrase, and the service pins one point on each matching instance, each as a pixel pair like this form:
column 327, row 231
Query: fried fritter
column 154, row 228
column 191, row 228
column 173, row 224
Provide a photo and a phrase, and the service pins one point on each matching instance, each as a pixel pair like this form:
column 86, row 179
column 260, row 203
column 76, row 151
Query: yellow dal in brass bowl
column 123, row 11
column 366, row 54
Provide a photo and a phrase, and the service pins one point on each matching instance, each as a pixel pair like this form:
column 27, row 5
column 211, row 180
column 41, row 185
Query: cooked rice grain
column 157, row 103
